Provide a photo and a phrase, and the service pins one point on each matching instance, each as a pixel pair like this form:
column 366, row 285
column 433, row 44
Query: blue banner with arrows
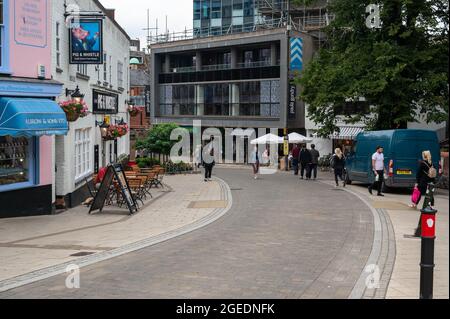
column 296, row 54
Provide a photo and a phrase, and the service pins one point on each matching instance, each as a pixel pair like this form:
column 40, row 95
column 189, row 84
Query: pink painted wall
column 45, row 160
column 30, row 37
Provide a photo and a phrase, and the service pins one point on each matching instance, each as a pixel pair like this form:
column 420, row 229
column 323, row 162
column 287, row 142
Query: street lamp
column 75, row 94
column 104, row 126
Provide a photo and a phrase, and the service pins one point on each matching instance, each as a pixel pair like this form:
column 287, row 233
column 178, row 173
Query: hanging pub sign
column 105, row 103
column 292, row 102
column 86, row 41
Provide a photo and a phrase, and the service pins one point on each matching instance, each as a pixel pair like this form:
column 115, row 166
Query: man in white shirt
column 379, row 170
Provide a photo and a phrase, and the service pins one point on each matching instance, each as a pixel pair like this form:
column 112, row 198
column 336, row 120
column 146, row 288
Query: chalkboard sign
column 107, row 186
column 104, row 190
column 125, row 188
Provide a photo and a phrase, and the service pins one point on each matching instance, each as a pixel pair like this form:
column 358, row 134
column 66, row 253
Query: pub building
column 104, row 88
column 29, row 116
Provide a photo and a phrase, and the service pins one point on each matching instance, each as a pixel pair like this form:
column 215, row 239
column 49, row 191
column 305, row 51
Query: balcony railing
column 216, row 67
column 255, row 64
column 184, row 69
column 263, row 110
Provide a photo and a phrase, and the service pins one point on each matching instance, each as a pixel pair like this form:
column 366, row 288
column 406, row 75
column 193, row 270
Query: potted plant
column 74, row 109
column 133, row 110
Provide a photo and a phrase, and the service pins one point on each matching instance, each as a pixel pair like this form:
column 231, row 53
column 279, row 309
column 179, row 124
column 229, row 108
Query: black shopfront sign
column 292, row 105
column 105, row 103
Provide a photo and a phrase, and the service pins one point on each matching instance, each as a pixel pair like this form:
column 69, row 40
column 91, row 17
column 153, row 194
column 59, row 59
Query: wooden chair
column 136, row 169
column 160, row 176
column 136, row 189
column 146, row 184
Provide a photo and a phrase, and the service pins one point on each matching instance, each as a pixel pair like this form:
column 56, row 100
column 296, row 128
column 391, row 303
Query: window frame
column 83, row 154
column 82, row 69
column 4, row 40
column 120, row 81
column 58, row 43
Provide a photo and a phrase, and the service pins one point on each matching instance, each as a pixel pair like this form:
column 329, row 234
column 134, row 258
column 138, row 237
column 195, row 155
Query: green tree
column 401, row 69
column 158, row 139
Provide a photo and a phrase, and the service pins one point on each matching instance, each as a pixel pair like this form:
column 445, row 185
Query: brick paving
column 282, row 238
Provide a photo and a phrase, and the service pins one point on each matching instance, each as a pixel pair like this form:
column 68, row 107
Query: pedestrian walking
column 266, row 156
column 426, row 174
column 338, row 165
column 208, row 163
column 255, row 162
column 379, row 170
column 295, row 158
column 314, row 161
column 305, row 160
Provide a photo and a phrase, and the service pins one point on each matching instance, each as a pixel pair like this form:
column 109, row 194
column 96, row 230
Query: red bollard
column 428, row 223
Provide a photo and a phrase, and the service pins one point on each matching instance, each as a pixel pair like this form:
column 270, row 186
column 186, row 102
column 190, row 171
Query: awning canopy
column 298, row 138
column 31, row 117
column 268, row 139
column 348, row 133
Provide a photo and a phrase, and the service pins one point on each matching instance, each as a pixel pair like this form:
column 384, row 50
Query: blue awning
column 31, row 117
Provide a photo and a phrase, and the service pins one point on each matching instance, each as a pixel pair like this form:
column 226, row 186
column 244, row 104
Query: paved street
column 309, row 248
column 33, row 243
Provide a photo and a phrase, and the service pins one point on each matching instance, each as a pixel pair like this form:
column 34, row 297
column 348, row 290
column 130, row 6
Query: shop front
column 27, row 127
column 345, row 138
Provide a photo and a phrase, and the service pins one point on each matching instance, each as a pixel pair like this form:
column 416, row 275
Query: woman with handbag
column 426, row 174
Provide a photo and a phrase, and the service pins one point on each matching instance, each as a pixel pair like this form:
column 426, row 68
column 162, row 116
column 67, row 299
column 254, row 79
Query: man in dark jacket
column 314, row 160
column 305, row 160
column 295, row 157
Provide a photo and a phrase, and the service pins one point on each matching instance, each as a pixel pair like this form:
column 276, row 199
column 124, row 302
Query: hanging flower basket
column 74, row 109
column 116, row 131
column 72, row 117
column 133, row 110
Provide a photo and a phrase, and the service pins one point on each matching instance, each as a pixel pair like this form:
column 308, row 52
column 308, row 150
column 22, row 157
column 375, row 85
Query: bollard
column 428, row 225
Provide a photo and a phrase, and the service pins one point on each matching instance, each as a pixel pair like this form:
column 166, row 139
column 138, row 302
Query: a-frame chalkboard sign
column 107, row 186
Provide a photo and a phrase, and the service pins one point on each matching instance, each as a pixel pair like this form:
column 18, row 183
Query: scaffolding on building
column 269, row 14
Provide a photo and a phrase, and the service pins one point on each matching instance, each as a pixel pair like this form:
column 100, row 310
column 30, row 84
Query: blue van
column 402, row 153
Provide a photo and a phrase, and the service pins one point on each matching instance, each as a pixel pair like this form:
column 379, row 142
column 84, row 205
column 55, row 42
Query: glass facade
column 216, row 17
column 248, row 98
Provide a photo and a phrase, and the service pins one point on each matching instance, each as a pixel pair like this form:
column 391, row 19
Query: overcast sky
column 132, row 15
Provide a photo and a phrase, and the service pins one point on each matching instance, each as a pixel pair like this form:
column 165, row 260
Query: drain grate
column 82, row 253
column 236, row 189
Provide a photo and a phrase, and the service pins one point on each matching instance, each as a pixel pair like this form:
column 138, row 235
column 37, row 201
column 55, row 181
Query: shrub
column 147, row 162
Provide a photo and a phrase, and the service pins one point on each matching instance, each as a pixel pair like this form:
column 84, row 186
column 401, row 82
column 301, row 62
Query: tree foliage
column 158, row 139
column 401, row 69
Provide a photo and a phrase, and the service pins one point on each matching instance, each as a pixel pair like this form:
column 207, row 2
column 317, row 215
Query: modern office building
column 217, row 17
column 234, row 81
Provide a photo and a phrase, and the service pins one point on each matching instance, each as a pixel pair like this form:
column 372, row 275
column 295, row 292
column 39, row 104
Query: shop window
column 82, row 153
column 16, row 162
